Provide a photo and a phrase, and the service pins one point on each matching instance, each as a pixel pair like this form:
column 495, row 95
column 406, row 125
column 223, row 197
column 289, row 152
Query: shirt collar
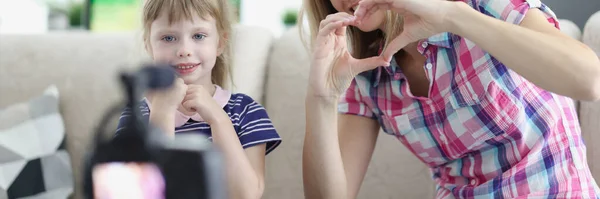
column 443, row 40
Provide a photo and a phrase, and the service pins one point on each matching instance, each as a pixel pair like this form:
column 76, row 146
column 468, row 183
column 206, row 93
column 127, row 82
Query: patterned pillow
column 591, row 33
column 33, row 160
column 570, row 28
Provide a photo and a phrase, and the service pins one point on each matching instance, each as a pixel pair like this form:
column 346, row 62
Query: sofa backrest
column 84, row 66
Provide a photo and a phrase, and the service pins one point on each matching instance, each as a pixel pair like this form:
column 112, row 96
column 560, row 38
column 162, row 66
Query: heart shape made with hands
column 421, row 19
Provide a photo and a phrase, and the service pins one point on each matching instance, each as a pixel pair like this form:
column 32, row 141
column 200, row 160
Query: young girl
column 477, row 90
column 192, row 36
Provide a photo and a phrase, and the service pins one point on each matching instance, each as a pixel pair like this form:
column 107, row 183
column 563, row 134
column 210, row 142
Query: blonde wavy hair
column 185, row 10
column 361, row 44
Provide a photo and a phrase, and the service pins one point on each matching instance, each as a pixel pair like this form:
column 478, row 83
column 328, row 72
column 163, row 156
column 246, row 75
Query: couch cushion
column 570, row 28
column 83, row 67
column 33, row 159
column 591, row 32
column 251, row 47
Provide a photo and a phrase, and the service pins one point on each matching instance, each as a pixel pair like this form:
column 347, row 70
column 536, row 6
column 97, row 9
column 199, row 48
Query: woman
column 478, row 90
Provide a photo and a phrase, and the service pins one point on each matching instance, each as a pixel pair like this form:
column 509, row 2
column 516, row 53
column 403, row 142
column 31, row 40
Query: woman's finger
column 333, row 18
column 338, row 26
column 395, row 45
column 374, row 9
column 367, row 7
column 362, row 65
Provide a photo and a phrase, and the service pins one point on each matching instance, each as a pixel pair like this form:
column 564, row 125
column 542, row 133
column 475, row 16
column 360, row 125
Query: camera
column 141, row 161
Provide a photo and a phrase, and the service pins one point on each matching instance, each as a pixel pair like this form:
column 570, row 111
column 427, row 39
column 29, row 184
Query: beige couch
column 271, row 70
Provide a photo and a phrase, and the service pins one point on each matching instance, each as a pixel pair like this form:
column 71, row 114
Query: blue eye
column 168, row 38
column 199, row 36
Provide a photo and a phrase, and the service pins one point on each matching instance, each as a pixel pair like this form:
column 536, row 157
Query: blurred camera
column 141, row 161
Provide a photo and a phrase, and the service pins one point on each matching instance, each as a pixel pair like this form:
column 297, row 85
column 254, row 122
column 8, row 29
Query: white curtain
column 23, row 17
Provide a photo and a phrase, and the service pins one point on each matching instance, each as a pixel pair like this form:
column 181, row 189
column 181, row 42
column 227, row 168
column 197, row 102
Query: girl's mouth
column 186, row 68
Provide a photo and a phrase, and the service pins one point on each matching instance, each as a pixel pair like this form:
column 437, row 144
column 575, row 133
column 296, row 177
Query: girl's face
column 190, row 46
column 372, row 22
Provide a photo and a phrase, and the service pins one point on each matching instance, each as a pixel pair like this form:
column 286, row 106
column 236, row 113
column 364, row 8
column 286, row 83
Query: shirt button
column 473, row 182
column 424, row 44
column 429, row 65
column 443, row 138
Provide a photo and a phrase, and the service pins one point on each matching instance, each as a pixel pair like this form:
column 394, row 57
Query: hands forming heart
column 422, row 19
column 333, row 67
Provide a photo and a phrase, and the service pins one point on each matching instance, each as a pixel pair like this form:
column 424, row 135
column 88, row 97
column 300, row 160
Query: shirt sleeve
column 256, row 128
column 513, row 11
column 353, row 102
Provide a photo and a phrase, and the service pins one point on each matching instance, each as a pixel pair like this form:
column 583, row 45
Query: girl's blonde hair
column 185, row 10
column 361, row 44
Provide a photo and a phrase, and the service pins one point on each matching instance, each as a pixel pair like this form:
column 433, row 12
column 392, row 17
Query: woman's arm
column 245, row 168
column 336, row 153
column 358, row 136
column 534, row 49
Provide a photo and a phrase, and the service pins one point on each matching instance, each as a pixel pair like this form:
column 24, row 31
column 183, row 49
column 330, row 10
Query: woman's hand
column 198, row 100
column 332, row 66
column 422, row 19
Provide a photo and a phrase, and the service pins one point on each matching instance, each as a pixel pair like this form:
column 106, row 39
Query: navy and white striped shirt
column 249, row 118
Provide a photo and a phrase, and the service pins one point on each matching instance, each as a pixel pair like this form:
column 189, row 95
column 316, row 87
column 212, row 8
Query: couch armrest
column 589, row 115
column 570, row 28
column 591, row 33
column 589, row 112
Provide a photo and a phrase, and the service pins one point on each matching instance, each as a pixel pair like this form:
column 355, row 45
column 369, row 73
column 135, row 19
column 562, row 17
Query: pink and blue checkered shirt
column 485, row 131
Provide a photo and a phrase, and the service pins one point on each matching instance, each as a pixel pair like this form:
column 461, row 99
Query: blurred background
column 39, row 16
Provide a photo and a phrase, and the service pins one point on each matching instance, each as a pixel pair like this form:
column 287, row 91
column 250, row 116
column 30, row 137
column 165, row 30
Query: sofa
column 274, row 71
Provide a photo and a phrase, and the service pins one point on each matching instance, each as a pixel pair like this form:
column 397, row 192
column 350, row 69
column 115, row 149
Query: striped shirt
column 249, row 118
column 484, row 130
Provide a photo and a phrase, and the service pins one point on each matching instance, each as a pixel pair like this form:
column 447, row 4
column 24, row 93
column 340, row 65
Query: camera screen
column 131, row 180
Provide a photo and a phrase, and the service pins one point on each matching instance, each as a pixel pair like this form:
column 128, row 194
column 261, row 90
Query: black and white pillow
column 34, row 163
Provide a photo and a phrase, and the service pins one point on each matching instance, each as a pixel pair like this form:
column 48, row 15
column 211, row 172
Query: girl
column 192, row 36
column 477, row 90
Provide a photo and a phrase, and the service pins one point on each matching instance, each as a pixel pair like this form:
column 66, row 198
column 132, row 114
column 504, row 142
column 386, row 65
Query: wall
column 267, row 13
column 578, row 11
column 23, row 17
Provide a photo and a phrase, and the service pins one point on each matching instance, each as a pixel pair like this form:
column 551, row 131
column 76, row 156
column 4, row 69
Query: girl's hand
column 198, row 100
column 332, row 66
column 422, row 19
column 168, row 99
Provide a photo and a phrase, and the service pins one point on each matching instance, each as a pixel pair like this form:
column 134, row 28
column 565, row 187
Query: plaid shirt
column 484, row 130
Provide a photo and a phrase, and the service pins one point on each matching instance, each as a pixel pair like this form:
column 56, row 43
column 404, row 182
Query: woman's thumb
column 395, row 45
column 370, row 63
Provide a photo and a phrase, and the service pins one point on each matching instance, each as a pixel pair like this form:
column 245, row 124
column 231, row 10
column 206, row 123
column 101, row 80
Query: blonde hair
column 362, row 44
column 185, row 9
